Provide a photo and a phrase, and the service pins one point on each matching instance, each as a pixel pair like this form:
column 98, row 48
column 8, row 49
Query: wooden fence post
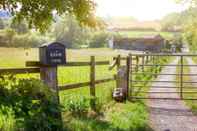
column 128, row 74
column 118, row 62
column 143, row 62
column 92, row 83
column 122, row 81
column 131, row 77
column 137, row 63
column 147, row 59
column 49, row 76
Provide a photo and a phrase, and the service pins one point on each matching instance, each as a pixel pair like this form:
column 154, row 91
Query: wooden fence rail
column 19, row 70
column 46, row 72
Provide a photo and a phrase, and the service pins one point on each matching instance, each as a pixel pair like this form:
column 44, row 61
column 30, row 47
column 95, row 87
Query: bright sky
column 140, row 9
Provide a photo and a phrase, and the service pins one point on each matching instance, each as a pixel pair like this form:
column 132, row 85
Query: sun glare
column 140, row 9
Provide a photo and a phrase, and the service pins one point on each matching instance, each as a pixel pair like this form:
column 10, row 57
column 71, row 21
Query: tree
column 40, row 13
column 190, row 24
column 20, row 28
column 68, row 31
column 171, row 22
column 2, row 25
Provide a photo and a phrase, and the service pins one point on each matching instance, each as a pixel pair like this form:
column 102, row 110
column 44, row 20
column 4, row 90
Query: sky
column 140, row 9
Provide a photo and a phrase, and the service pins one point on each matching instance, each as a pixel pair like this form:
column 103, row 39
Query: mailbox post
column 51, row 55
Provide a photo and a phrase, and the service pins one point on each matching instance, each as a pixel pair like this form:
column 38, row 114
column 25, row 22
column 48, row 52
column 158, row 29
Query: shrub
column 33, row 104
column 28, row 40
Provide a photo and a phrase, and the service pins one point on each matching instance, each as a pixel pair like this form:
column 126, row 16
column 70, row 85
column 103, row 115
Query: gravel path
column 169, row 115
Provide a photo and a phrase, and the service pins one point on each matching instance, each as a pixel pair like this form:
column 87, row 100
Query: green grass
column 129, row 116
column 166, row 35
column 133, row 116
column 119, row 117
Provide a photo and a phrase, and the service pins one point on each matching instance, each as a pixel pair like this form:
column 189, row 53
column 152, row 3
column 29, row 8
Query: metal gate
column 162, row 76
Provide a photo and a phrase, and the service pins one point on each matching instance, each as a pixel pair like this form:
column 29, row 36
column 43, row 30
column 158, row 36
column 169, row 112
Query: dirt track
column 169, row 115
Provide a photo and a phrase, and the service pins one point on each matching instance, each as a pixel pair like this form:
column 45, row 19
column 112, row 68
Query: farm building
column 153, row 43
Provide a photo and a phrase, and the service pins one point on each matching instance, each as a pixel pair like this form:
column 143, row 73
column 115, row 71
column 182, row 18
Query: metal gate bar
column 154, row 63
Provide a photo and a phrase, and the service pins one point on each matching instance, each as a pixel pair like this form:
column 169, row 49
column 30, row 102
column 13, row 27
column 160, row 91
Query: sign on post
column 52, row 54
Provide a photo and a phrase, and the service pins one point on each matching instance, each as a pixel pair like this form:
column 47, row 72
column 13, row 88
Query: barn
column 153, row 43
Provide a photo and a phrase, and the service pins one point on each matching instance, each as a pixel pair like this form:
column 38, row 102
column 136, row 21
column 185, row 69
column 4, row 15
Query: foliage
column 9, row 38
column 2, row 24
column 99, row 40
column 7, row 120
column 172, row 22
column 34, row 105
column 77, row 106
column 40, row 13
column 69, row 32
column 189, row 20
column 20, row 28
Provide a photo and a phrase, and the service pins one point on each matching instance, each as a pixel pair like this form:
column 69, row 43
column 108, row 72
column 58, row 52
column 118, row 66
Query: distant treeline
column 147, row 29
column 134, row 29
column 65, row 30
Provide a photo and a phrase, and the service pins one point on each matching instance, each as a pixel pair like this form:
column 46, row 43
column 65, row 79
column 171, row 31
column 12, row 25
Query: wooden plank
column 74, row 86
column 83, row 84
column 19, row 70
column 114, row 63
column 125, row 58
column 104, row 80
column 38, row 64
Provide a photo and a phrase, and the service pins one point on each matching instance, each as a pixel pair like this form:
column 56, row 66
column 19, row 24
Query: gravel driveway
column 169, row 115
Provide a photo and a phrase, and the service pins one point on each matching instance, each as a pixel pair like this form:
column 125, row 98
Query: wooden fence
column 37, row 67
column 49, row 74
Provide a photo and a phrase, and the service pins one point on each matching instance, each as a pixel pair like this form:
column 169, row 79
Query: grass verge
column 192, row 88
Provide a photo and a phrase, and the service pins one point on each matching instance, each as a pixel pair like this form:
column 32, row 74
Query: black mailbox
column 52, row 54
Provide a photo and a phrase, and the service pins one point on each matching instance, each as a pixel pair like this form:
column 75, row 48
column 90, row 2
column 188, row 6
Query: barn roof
column 145, row 39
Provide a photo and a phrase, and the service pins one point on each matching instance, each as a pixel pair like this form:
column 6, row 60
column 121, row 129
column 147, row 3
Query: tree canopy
column 40, row 13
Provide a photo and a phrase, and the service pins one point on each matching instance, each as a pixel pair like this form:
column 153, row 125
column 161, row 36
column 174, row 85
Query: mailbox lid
column 55, row 53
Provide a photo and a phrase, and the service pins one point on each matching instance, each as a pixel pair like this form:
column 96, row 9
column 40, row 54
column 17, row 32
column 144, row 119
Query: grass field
column 114, row 116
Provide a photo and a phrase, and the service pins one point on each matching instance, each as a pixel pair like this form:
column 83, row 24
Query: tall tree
column 68, row 31
column 39, row 13
column 190, row 23
column 2, row 25
column 20, row 28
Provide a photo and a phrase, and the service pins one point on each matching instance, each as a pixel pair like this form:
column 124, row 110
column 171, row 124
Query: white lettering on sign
column 54, row 54
column 56, row 60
